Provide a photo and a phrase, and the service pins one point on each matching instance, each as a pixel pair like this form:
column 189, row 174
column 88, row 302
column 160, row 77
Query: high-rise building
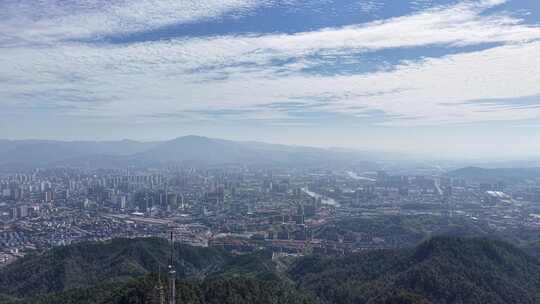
column 48, row 196
column 172, row 201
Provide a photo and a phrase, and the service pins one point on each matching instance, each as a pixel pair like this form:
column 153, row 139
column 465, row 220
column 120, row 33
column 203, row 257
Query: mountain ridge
column 440, row 270
column 191, row 149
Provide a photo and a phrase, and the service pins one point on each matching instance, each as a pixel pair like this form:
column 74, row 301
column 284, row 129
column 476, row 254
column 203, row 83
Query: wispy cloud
column 496, row 104
column 49, row 21
column 50, row 53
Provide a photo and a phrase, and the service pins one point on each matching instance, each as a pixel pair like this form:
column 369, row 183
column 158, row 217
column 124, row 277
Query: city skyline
column 445, row 77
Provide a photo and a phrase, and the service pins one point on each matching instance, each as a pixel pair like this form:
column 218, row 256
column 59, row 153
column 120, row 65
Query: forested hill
column 144, row 290
column 441, row 270
column 87, row 264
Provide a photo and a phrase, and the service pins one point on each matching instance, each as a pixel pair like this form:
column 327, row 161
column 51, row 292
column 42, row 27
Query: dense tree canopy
column 440, row 270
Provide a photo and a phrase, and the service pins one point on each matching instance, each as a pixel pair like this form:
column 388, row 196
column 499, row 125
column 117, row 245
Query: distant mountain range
column 496, row 174
column 16, row 155
column 188, row 149
column 440, row 270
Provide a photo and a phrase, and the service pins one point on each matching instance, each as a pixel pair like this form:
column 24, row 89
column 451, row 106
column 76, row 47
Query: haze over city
column 446, row 77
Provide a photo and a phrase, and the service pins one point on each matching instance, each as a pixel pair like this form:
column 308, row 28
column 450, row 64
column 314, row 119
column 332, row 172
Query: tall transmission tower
column 172, row 274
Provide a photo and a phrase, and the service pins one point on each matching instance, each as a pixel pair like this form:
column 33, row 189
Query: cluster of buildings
column 286, row 210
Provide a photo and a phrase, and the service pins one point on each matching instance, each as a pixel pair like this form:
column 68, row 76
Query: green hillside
column 87, row 264
column 440, row 270
column 212, row 291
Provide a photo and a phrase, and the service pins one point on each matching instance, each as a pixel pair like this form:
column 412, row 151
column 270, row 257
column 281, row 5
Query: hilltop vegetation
column 440, row 270
column 87, row 264
column 212, row 291
column 409, row 230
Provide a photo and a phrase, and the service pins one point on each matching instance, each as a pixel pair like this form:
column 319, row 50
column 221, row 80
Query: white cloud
column 179, row 75
column 461, row 24
column 370, row 6
column 49, row 21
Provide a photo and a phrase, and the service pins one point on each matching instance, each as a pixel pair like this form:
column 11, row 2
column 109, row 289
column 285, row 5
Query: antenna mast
column 172, row 274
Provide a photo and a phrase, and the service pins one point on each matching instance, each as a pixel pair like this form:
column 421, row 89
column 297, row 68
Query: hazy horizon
column 416, row 155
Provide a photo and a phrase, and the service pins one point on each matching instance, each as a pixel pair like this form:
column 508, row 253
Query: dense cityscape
column 242, row 208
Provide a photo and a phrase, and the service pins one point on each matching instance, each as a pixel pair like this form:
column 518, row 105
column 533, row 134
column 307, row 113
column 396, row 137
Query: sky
column 447, row 77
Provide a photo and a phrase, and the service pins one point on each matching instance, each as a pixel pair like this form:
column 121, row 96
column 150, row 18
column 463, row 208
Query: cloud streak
column 52, row 58
column 50, row 21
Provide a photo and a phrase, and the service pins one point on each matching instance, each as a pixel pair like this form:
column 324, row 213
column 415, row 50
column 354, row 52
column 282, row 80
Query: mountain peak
column 192, row 136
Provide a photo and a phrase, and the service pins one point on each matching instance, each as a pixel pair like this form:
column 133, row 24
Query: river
column 325, row 200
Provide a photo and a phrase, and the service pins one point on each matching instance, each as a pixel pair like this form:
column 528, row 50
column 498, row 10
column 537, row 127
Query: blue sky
column 448, row 77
